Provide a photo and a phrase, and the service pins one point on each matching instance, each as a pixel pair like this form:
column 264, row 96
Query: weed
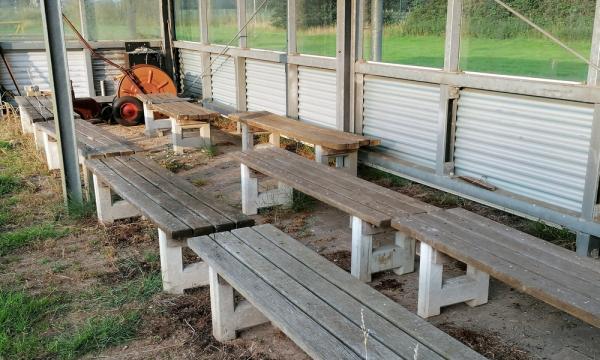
column 174, row 165
column 381, row 177
column 96, row 334
column 199, row 182
column 558, row 236
column 4, row 217
column 8, row 184
column 151, row 257
column 59, row 268
column 302, row 202
column 81, row 211
column 6, row 145
column 210, row 151
column 138, row 289
column 19, row 238
column 21, row 323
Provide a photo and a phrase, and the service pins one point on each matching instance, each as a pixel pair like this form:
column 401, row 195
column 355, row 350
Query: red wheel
column 128, row 111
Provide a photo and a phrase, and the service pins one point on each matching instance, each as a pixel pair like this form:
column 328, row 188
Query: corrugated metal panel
column 266, row 86
column 317, row 96
column 223, row 79
column 103, row 71
column 531, row 147
column 31, row 68
column 191, row 69
column 404, row 116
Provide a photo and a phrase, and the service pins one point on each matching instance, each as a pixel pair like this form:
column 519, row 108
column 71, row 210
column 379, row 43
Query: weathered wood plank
column 419, row 329
column 185, row 111
column 297, row 325
column 172, row 226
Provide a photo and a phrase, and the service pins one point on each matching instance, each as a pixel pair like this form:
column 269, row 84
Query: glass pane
column 495, row 41
column 20, row 20
column 187, row 20
column 71, row 10
column 222, row 21
column 268, row 30
column 315, row 33
column 413, row 31
column 123, row 19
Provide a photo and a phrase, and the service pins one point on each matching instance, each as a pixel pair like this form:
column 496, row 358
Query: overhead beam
column 60, row 85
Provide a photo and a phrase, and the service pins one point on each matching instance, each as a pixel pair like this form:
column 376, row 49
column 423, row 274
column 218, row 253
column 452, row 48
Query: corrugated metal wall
column 223, row 80
column 317, row 96
column 532, row 147
column 404, row 116
column 103, row 71
column 190, row 69
column 266, row 86
column 31, row 68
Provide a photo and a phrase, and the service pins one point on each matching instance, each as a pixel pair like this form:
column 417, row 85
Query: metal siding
column 191, row 69
column 31, row 68
column 103, row 71
column 223, row 80
column 266, row 86
column 404, row 115
column 528, row 146
column 317, row 96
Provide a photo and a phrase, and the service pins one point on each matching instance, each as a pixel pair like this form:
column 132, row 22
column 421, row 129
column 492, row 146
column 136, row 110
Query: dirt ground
column 510, row 326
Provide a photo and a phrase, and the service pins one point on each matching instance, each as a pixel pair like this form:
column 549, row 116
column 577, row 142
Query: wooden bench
column 328, row 143
column 179, row 210
column 371, row 207
column 543, row 270
column 324, row 310
column 33, row 109
column 189, row 122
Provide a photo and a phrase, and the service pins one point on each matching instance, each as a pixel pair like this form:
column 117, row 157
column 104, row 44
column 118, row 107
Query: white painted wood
column 88, row 180
column 108, row 210
column 221, row 307
column 190, row 136
column 152, row 125
column 38, row 136
column 247, row 137
column 51, row 151
column 275, row 139
column 282, row 195
column 175, row 276
column 249, row 191
column 362, row 250
column 406, row 249
column 247, row 316
column 434, row 293
column 26, row 124
column 321, row 155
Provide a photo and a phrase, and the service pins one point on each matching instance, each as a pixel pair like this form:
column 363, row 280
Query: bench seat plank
column 300, row 327
column 423, row 332
column 508, row 260
column 329, row 138
column 185, row 111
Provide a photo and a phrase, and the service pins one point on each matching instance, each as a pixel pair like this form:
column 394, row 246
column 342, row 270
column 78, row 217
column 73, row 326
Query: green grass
column 22, row 323
column 302, row 202
column 11, row 241
column 381, row 177
column 96, row 334
column 8, row 184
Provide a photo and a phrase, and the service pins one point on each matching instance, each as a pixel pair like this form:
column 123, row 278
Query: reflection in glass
column 222, row 21
column 316, row 21
column 187, row 20
column 268, row 29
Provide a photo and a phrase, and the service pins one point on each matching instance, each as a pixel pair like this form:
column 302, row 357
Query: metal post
column 585, row 242
column 376, row 29
column 60, row 85
column 343, row 62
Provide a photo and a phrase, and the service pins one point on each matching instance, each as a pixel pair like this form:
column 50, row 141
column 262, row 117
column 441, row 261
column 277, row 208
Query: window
column 222, row 21
column 187, row 20
column 315, row 28
column 123, row 19
column 495, row 41
column 268, row 30
column 412, row 32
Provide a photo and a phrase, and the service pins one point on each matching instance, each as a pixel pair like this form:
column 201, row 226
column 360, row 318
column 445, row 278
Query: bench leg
column 247, row 137
column 38, row 136
column 345, row 162
column 181, row 141
column 107, row 209
column 176, row 276
column 434, row 293
column 88, row 181
column 227, row 317
column 51, row 151
column 26, row 124
column 275, row 140
column 252, row 200
column 362, row 249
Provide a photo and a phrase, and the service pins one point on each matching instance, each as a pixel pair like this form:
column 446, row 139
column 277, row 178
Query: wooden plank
column 199, row 225
column 381, row 329
column 184, row 111
column 116, row 144
column 419, row 329
column 234, row 215
column 219, row 221
column 166, row 221
column 327, row 196
column 387, row 201
column 297, row 325
column 579, row 305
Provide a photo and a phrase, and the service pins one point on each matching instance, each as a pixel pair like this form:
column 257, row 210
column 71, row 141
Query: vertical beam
column 203, row 8
column 343, row 64
column 87, row 55
column 60, row 84
column 168, row 34
column 376, row 29
column 240, row 83
column 585, row 242
column 292, row 26
column 241, row 18
column 452, row 44
column 359, row 10
column 291, row 69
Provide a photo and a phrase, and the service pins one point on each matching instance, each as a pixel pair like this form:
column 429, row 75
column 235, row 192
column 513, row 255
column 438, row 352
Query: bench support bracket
column 252, row 199
column 399, row 256
column 51, row 150
column 153, row 126
column 176, row 276
column 434, row 293
column 227, row 317
column 109, row 210
column 191, row 135
column 344, row 160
